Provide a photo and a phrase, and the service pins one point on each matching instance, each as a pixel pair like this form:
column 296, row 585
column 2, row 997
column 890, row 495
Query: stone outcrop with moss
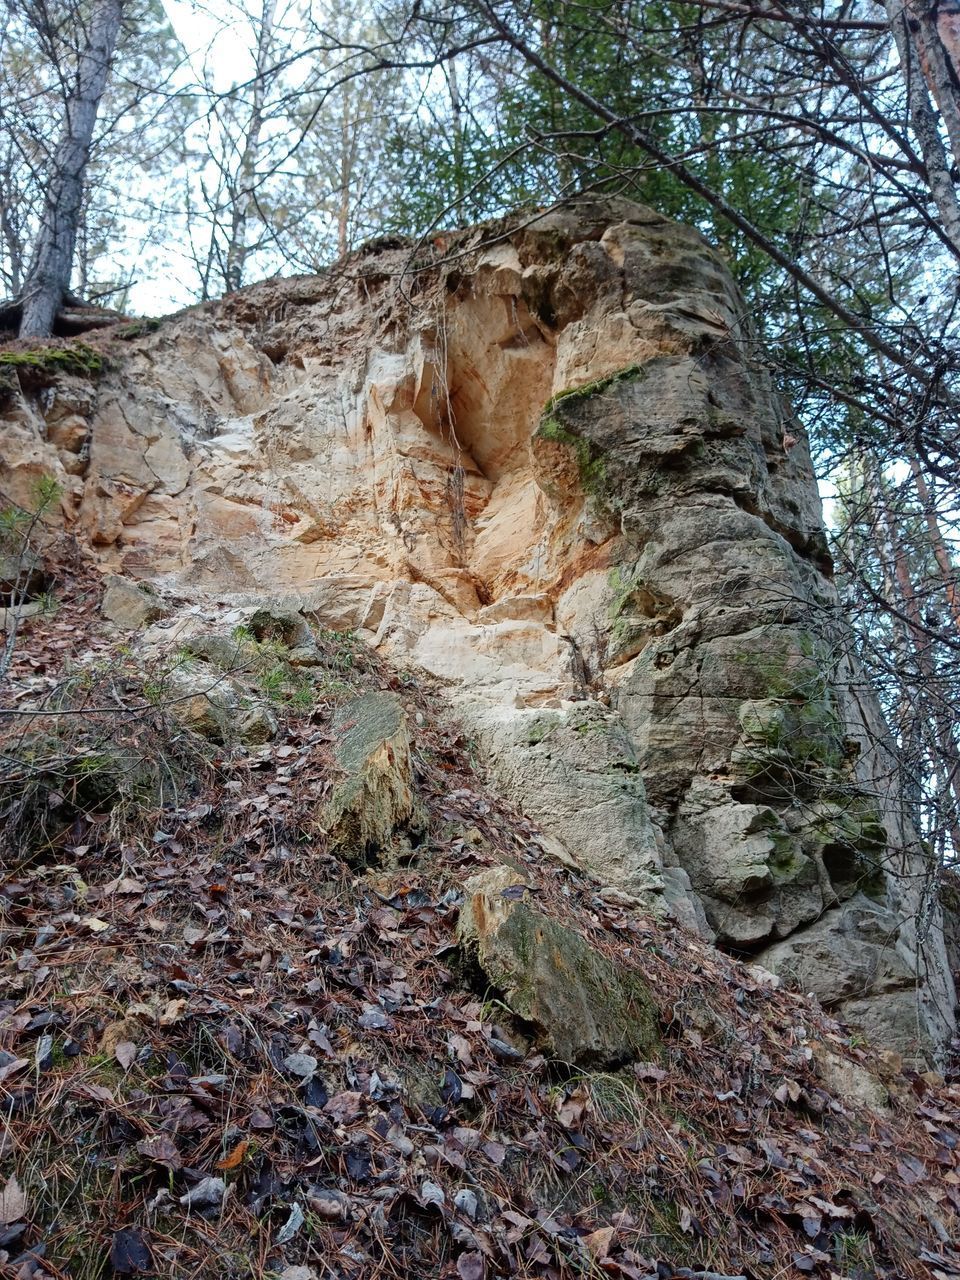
column 579, row 1006
column 557, row 479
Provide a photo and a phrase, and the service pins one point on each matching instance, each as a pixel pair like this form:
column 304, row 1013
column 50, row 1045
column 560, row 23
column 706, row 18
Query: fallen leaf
column 344, row 1107
column 460, row 1046
column 292, row 1225
column 126, row 885
column 12, row 1067
column 789, row 1089
column 470, row 1266
column 235, row 1157
column 129, row 1253
column 649, row 1071
column 572, row 1108
column 259, row 1119
column 432, row 1193
column 833, row 1210
column 209, row 1191
column 598, row 1242
column 466, row 1201
column 95, row 1092
column 173, row 1012
column 13, row 1201
column 330, row 1205
column 374, row 1019
column 160, row 1149
column 303, row 1065
column 125, row 1053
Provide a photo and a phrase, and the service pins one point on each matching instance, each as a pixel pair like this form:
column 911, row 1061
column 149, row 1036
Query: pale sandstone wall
column 626, row 589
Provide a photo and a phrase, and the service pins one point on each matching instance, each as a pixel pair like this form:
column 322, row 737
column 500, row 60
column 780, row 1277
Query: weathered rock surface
column 216, row 707
column 375, row 796
column 552, row 474
column 128, row 604
column 580, row 1007
column 851, row 1081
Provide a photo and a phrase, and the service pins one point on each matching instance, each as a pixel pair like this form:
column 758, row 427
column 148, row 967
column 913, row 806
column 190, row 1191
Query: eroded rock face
column 551, row 474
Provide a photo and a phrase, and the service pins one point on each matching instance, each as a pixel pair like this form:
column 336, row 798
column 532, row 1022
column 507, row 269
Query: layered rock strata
column 547, row 468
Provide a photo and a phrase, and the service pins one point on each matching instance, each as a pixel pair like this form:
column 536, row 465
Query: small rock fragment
column 209, row 1191
column 303, row 1065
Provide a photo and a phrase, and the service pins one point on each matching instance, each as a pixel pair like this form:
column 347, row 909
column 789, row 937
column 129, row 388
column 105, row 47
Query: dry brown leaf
column 789, row 1089
column 173, row 1012
column 572, row 1108
column 125, row 1053
column 235, row 1157
column 13, row 1201
column 126, row 885
column 95, row 1092
column 13, row 1067
column 599, row 1242
column 160, row 1149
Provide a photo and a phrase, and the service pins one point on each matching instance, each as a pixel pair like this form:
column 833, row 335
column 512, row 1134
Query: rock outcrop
column 549, row 471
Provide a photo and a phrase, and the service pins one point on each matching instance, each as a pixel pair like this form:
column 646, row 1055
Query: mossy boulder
column 42, row 365
column 22, row 575
column 580, row 1006
column 217, row 707
column 375, row 796
column 56, row 773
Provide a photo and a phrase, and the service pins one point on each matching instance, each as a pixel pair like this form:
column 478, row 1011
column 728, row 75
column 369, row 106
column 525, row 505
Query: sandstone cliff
column 550, row 471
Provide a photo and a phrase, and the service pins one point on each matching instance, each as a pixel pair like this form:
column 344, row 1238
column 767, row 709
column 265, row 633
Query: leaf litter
column 265, row 1061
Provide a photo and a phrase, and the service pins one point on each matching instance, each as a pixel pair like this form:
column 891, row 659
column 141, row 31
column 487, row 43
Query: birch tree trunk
column 49, row 276
column 924, row 121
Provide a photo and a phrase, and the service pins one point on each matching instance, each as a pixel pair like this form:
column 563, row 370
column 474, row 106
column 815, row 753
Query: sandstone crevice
column 552, row 474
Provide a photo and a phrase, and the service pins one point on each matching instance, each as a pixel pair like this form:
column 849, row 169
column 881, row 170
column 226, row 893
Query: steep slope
column 439, row 787
column 323, row 1006
column 550, row 470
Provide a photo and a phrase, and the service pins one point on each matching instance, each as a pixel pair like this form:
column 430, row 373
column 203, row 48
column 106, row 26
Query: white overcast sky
column 217, row 38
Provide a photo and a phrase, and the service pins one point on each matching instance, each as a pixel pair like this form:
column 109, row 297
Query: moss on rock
column 375, row 796
column 581, row 1007
column 553, row 427
column 44, row 363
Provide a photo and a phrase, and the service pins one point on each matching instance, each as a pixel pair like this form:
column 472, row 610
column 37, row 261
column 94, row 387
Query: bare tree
column 48, row 278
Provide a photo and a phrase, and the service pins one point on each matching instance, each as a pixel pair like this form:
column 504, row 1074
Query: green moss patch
column 42, row 366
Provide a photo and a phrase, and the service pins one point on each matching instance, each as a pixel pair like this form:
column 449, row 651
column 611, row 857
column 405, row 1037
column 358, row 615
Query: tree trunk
column 937, row 68
column 948, row 573
column 456, row 118
column 924, row 121
column 49, row 276
column 936, row 722
column 348, row 144
column 245, row 200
